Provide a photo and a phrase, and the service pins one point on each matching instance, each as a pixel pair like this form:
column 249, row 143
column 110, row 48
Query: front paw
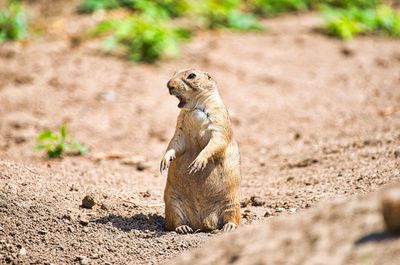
column 168, row 157
column 198, row 164
column 228, row 227
column 184, row 229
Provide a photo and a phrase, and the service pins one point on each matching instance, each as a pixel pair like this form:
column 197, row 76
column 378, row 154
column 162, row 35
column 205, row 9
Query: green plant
column 57, row 144
column 272, row 7
column 156, row 8
column 141, row 38
column 13, row 25
column 227, row 14
column 346, row 23
column 344, row 3
column 162, row 8
column 89, row 6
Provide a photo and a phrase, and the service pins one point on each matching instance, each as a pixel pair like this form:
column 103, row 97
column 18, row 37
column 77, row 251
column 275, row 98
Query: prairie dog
column 202, row 191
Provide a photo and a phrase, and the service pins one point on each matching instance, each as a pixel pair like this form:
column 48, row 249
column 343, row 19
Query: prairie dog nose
column 171, row 85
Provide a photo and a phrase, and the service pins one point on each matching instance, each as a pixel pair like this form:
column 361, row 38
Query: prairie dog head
column 189, row 86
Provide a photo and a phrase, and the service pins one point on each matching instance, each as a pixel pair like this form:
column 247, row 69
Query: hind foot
column 228, row 227
column 184, row 229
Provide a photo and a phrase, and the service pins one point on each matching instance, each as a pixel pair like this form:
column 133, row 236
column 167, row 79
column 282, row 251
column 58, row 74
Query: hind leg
column 231, row 218
column 175, row 219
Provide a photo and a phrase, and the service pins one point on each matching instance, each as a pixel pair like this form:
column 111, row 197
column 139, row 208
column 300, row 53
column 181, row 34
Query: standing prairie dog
column 202, row 191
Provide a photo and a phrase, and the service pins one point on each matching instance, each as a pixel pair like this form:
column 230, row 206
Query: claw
column 197, row 165
column 228, row 227
column 164, row 165
column 184, row 229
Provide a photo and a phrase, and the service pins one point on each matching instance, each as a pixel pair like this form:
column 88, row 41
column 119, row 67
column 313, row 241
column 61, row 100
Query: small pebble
column 256, row 201
column 88, row 202
column 279, row 209
column 22, row 252
column 104, row 206
column 83, row 221
column 142, row 165
column 42, row 232
column 268, row 213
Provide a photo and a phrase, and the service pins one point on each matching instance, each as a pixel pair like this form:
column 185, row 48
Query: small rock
column 42, row 232
column 83, row 260
column 71, row 229
column 397, row 154
column 145, row 194
column 292, row 210
column 279, row 209
column 245, row 203
column 22, row 251
column 142, row 165
column 268, row 213
column 248, row 215
column 104, row 207
column 86, row 229
column 256, row 201
column 88, row 202
column 83, row 221
column 67, row 217
column 73, row 188
column 9, row 259
column 347, row 51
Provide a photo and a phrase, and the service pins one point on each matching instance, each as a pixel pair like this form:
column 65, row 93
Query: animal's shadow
column 140, row 222
column 376, row 237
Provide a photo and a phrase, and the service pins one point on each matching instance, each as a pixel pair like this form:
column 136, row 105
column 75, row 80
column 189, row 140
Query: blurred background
column 312, row 88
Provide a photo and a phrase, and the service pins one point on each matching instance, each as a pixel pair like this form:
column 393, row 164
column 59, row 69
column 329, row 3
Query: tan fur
column 202, row 191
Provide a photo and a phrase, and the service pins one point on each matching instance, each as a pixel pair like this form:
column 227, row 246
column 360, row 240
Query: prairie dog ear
column 208, row 75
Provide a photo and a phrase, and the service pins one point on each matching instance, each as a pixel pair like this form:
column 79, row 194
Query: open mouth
column 182, row 102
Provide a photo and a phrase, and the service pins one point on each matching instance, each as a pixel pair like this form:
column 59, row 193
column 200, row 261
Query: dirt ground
column 316, row 119
column 346, row 231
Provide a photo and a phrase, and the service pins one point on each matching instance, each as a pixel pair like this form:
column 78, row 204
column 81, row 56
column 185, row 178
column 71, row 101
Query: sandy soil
column 346, row 231
column 315, row 119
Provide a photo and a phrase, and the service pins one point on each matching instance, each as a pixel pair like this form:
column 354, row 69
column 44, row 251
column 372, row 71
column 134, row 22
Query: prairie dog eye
column 191, row 76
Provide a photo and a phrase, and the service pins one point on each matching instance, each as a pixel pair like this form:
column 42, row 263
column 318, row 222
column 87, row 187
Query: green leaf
column 63, row 132
column 47, row 135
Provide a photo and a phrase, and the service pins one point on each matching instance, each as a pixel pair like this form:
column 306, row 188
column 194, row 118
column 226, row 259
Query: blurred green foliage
column 227, row 14
column 345, row 3
column 272, row 7
column 13, row 23
column 346, row 23
column 141, row 38
column 161, row 8
column 56, row 145
column 157, row 8
column 145, row 35
column 89, row 6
